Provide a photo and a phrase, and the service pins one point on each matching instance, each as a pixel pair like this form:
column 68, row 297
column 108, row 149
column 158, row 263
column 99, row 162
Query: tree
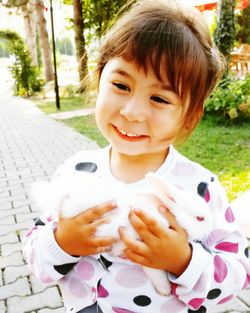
column 38, row 6
column 224, row 34
column 100, row 14
column 30, row 34
column 30, row 31
column 24, row 73
column 81, row 53
column 33, row 10
column 65, row 46
column 243, row 21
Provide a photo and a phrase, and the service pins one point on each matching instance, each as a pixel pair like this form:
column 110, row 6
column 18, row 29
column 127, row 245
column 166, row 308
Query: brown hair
column 155, row 31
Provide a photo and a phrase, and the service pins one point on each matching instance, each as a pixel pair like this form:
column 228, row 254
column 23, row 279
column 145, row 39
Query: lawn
column 66, row 104
column 222, row 148
column 225, row 150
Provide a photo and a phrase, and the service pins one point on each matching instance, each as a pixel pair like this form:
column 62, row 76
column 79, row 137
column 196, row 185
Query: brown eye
column 121, row 86
column 159, row 100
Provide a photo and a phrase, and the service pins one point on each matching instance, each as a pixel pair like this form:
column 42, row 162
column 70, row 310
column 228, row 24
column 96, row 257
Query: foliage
column 224, row 34
column 100, row 14
column 231, row 98
column 70, row 91
column 65, row 46
column 243, row 26
column 22, row 70
column 13, row 3
column 4, row 50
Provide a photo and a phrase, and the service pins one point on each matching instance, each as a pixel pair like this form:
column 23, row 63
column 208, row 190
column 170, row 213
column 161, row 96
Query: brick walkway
column 32, row 145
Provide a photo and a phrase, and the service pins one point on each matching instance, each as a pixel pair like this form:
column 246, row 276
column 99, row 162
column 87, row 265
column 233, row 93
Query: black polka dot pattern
column 65, row 268
column 142, row 300
column 202, row 189
column 202, row 309
column 246, row 252
column 213, row 294
column 104, row 262
column 39, row 222
column 89, row 167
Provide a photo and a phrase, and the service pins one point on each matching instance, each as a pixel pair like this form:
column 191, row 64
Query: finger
column 94, row 250
column 173, row 224
column 95, row 213
column 103, row 241
column 136, row 258
column 141, row 221
column 136, row 246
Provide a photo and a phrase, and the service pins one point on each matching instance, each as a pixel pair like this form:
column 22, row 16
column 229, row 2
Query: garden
column 221, row 142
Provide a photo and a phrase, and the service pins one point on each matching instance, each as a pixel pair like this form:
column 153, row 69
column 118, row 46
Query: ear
column 163, row 189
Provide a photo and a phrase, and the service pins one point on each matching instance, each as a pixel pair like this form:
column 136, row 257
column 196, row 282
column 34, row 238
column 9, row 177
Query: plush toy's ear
column 163, row 189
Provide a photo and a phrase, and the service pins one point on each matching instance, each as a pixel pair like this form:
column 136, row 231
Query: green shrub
column 231, row 98
column 25, row 74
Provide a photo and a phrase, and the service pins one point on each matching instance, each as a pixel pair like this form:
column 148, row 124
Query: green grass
column 225, row 150
column 222, row 148
column 86, row 125
column 66, row 104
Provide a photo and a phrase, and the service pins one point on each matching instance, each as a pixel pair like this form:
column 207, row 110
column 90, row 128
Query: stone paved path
column 32, row 145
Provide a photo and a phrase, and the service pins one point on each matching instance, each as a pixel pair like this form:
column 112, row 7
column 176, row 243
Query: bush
column 25, row 74
column 231, row 98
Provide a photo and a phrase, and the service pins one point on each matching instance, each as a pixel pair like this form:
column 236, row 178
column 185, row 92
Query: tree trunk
column 81, row 53
column 30, row 32
column 44, row 40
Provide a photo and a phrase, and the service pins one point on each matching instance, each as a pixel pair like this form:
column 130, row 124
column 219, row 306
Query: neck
column 130, row 169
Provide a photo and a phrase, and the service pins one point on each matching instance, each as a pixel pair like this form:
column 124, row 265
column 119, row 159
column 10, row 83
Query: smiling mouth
column 128, row 136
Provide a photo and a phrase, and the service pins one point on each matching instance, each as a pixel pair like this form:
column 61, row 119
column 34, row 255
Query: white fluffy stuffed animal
column 80, row 191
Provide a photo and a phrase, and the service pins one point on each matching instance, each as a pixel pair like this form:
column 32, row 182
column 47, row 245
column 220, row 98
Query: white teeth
column 128, row 134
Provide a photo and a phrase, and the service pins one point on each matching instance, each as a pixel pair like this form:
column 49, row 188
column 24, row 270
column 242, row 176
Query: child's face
column 135, row 111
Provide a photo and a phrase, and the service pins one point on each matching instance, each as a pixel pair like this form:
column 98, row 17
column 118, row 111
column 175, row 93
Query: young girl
column 157, row 65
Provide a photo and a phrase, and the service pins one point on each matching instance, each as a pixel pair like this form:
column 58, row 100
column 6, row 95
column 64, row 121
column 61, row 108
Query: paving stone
column 2, row 307
column 16, row 203
column 6, row 206
column 9, row 238
column 18, row 288
column 14, row 259
column 15, row 192
column 30, row 216
column 12, row 273
column 1, row 278
column 4, row 230
column 8, row 220
column 49, row 298
column 4, row 194
column 15, row 211
column 59, row 310
column 9, row 248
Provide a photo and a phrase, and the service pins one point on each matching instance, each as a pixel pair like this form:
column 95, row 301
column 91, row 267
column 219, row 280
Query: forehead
column 129, row 68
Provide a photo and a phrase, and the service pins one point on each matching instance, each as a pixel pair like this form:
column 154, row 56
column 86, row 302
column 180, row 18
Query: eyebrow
column 156, row 85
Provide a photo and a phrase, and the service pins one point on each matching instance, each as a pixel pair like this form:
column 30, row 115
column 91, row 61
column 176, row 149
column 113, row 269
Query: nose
column 135, row 109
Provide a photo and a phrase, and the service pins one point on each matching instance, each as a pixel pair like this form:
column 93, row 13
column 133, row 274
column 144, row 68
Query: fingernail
column 114, row 203
column 136, row 210
column 162, row 209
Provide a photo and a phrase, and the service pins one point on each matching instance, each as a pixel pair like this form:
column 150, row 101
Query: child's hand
column 166, row 249
column 76, row 235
